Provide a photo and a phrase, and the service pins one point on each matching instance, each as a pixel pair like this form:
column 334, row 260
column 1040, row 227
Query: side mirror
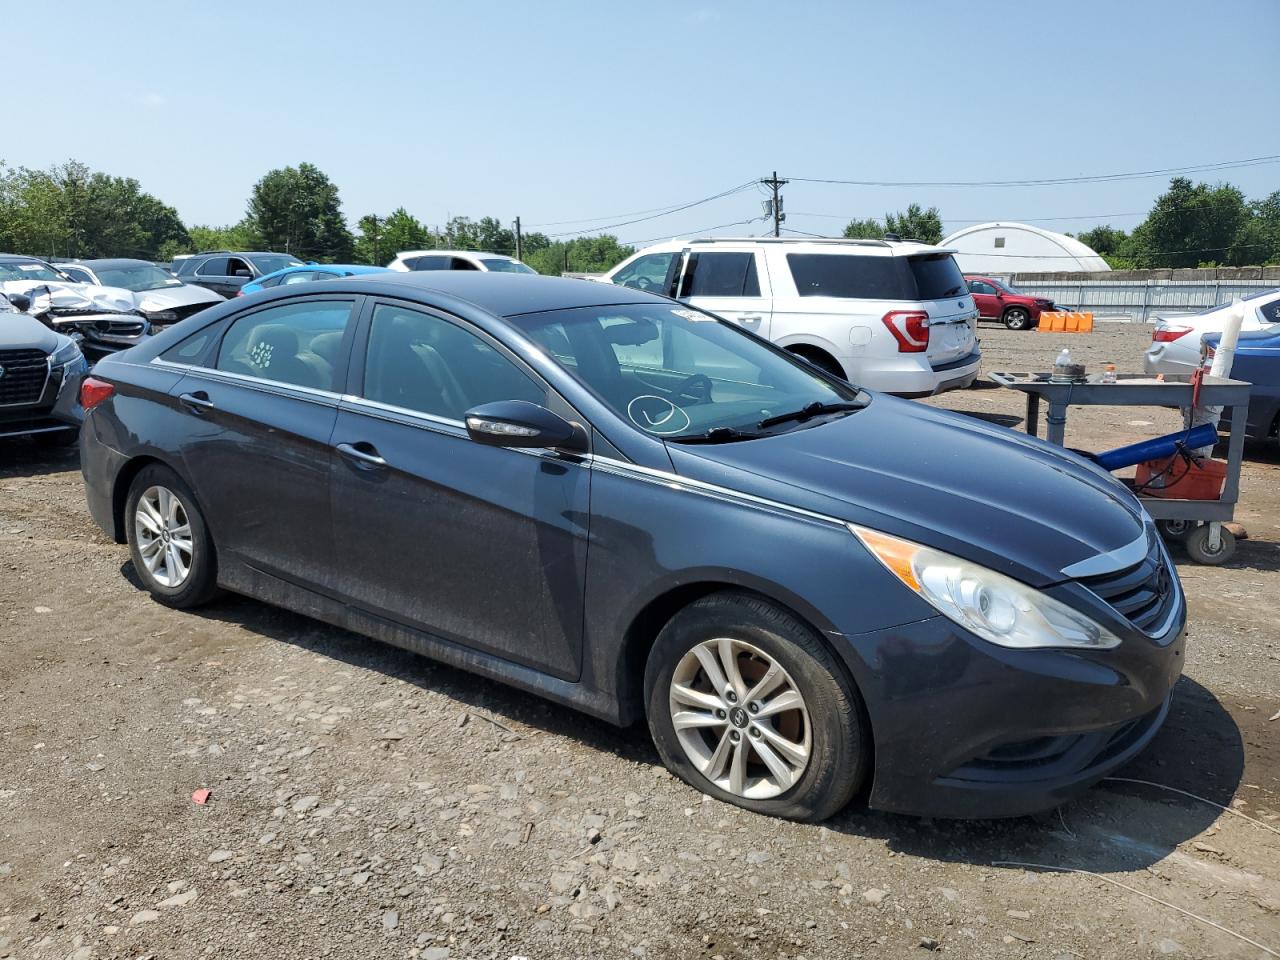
column 518, row 423
column 21, row 302
column 247, row 274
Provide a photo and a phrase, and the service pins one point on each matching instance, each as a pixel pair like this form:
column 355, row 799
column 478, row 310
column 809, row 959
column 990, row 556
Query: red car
column 996, row 300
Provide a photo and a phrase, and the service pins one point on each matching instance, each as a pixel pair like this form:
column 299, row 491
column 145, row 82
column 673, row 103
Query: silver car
column 157, row 294
column 1175, row 342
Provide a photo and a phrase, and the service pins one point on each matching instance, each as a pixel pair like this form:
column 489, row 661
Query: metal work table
column 1131, row 390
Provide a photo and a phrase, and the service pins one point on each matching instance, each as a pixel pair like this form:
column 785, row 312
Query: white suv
column 888, row 315
column 457, row 260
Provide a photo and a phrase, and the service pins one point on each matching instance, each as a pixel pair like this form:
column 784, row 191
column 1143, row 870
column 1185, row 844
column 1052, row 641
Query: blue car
column 305, row 272
column 1257, row 361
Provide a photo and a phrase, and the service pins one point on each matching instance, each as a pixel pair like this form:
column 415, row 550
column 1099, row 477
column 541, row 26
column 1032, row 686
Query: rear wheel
column 172, row 551
column 1016, row 318
column 1177, row 530
column 746, row 704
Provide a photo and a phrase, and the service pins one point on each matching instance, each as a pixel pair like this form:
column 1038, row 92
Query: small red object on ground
column 201, row 796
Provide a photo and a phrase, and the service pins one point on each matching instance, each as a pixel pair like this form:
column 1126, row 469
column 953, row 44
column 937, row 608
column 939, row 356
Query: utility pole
column 517, row 238
column 377, row 251
column 776, row 206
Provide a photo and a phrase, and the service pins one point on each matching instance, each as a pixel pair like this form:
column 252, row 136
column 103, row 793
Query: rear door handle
column 199, row 401
column 753, row 318
column 368, row 456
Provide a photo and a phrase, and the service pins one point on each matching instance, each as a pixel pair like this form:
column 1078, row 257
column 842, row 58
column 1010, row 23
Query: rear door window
column 294, row 343
column 720, row 275
column 462, row 263
column 430, row 263
column 214, row 267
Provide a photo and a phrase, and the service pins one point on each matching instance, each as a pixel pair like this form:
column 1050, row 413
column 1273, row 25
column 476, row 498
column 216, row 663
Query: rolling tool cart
column 1196, row 523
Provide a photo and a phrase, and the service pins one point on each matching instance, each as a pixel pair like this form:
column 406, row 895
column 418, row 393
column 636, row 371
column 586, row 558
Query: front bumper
column 966, row 729
column 57, row 409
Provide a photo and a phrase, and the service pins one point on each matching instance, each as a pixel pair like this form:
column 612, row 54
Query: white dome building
column 1019, row 248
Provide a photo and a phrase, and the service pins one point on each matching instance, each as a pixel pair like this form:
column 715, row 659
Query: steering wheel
column 697, row 381
column 644, row 283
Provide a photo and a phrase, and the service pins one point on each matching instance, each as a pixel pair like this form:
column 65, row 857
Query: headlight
column 997, row 608
column 65, row 354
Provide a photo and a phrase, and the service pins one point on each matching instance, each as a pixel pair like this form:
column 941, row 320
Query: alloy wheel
column 163, row 533
column 740, row 718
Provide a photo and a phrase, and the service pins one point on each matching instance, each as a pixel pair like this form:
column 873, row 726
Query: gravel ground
column 367, row 803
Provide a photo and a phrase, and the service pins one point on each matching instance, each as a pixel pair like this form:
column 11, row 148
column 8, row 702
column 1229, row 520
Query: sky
column 564, row 111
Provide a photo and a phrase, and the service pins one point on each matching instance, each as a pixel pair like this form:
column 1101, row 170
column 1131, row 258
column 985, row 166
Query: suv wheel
column 746, row 704
column 1016, row 318
column 171, row 548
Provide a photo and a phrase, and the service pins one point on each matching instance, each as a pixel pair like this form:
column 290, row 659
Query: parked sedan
column 1175, row 342
column 158, row 295
column 306, row 272
column 633, row 507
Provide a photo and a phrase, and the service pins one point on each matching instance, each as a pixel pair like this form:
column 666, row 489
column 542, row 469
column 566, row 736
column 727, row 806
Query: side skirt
column 239, row 577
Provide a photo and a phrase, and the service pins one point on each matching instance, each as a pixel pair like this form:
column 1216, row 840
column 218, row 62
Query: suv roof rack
column 834, row 240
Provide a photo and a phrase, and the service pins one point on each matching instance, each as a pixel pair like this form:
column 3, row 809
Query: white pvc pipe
column 1223, row 357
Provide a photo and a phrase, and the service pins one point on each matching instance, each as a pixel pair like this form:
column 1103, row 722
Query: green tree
column 297, row 210
column 869, row 229
column 1189, row 225
column 1104, row 240
column 914, row 223
column 1258, row 241
column 381, row 238
column 579, row 255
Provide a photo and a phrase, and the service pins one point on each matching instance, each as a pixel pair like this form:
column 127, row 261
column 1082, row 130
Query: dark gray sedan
column 634, row 508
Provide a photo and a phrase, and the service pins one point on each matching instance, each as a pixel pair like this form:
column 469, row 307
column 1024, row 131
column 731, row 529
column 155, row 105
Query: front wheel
column 746, row 704
column 172, row 551
column 1017, row 319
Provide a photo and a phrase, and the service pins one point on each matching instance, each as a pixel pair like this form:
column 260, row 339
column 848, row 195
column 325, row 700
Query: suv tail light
column 1168, row 334
column 93, row 391
column 910, row 328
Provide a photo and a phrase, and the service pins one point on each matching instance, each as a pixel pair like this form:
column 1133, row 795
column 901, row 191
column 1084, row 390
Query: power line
column 687, row 233
column 1049, row 181
column 667, row 212
column 611, row 216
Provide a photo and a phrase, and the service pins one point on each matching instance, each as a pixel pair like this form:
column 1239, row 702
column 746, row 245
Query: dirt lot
column 370, row 804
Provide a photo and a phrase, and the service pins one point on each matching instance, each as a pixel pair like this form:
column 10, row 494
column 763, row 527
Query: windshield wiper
column 811, row 410
column 718, row 435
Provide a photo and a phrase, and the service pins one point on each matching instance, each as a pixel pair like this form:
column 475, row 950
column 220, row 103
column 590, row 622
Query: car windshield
column 274, row 262
column 507, row 266
column 1007, row 287
column 138, row 277
column 678, row 373
column 24, row 270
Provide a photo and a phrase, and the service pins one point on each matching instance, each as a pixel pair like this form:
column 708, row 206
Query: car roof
column 355, row 268
column 21, row 257
column 109, row 262
column 511, row 294
column 878, row 248
column 453, row 253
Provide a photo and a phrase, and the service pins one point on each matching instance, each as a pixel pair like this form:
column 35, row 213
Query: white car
column 1175, row 342
column 457, row 260
column 157, row 294
column 894, row 316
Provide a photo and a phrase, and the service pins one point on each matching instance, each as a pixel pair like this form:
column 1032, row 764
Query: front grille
column 1142, row 593
column 24, row 377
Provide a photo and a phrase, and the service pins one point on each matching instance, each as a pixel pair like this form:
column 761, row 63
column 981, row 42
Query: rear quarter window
column 936, row 276
column 851, row 276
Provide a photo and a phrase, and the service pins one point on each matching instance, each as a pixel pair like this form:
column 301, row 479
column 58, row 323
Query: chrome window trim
column 274, row 387
column 1127, row 555
column 376, row 407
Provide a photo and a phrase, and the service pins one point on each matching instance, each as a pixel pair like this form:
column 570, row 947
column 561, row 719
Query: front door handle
column 199, row 401
column 751, row 319
column 368, row 456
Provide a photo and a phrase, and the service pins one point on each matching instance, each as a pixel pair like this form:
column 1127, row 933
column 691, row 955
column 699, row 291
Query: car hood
column 166, row 298
column 74, row 296
column 18, row 331
column 1013, row 503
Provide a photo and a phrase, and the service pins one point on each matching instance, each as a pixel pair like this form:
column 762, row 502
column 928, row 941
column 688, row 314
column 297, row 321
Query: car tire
column 173, row 553
column 1016, row 318
column 801, row 751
